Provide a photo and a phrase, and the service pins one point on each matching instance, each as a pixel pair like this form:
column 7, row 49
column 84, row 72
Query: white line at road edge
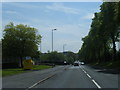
column 91, row 78
column 39, row 82
column 96, row 84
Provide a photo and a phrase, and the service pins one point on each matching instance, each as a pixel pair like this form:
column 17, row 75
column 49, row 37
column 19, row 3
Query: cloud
column 0, row 20
column 11, row 12
column 88, row 16
column 23, row 5
column 65, row 34
column 61, row 8
column 68, row 33
column 0, row 28
column 73, row 29
column 57, row 0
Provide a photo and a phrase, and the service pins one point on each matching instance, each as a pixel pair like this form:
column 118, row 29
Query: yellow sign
column 28, row 64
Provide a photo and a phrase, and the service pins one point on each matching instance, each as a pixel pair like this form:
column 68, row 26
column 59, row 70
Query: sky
column 71, row 19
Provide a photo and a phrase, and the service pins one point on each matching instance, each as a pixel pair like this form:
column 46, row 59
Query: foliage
column 58, row 58
column 99, row 45
column 20, row 41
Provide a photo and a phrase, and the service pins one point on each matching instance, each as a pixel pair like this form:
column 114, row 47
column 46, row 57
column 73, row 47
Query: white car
column 82, row 63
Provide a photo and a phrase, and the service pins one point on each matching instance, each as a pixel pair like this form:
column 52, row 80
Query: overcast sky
column 71, row 19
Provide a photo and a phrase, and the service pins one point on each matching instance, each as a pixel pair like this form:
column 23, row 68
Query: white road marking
column 84, row 71
column 89, row 76
column 39, row 82
column 96, row 84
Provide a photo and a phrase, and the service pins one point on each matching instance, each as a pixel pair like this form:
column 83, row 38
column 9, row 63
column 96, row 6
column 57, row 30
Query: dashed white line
column 92, row 79
column 96, row 84
column 89, row 76
column 84, row 71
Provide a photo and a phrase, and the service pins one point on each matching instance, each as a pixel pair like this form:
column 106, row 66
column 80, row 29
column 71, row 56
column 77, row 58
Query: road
column 63, row 77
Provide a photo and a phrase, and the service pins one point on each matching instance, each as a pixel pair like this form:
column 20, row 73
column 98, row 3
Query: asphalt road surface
column 67, row 76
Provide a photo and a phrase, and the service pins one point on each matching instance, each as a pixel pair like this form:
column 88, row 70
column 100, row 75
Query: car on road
column 76, row 64
column 82, row 63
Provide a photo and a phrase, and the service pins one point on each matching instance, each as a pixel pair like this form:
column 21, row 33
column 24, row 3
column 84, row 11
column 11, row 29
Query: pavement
column 67, row 76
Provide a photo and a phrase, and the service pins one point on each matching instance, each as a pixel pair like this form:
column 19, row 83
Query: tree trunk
column 105, row 52
column 21, row 62
column 114, row 49
column 22, row 53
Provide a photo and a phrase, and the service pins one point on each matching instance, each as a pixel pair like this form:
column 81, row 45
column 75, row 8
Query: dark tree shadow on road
column 109, row 71
column 106, row 70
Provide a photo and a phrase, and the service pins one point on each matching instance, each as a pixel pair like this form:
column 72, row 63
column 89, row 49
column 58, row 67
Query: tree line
column 21, row 40
column 100, row 43
column 58, row 57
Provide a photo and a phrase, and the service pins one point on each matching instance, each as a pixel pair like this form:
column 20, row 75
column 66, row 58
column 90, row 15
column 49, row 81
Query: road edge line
column 92, row 79
column 40, row 82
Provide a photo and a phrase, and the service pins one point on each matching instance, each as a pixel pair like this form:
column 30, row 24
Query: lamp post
column 64, row 47
column 41, row 45
column 52, row 38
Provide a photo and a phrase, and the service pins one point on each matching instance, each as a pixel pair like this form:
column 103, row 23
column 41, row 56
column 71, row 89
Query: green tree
column 111, row 23
column 103, row 34
column 20, row 41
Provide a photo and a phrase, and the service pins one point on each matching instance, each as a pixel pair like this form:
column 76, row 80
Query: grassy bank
column 8, row 72
column 108, row 65
column 0, row 72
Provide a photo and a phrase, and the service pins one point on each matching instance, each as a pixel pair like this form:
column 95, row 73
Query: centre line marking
column 92, row 79
column 88, row 75
column 84, row 71
column 96, row 84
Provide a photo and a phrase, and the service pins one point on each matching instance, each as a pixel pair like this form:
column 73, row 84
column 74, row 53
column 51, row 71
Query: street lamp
column 52, row 38
column 64, row 47
column 41, row 45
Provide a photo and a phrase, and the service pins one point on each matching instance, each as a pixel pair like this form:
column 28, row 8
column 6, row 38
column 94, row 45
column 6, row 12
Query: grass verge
column 8, row 72
column 108, row 65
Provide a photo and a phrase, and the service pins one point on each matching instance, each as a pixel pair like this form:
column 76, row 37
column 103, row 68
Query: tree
column 53, row 57
column 103, row 33
column 111, row 23
column 20, row 41
column 58, row 58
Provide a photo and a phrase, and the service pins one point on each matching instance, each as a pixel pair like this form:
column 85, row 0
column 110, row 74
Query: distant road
column 63, row 77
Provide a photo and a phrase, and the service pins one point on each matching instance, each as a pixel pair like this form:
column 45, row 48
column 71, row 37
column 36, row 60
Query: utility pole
column 52, row 38
column 41, row 45
column 64, row 47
